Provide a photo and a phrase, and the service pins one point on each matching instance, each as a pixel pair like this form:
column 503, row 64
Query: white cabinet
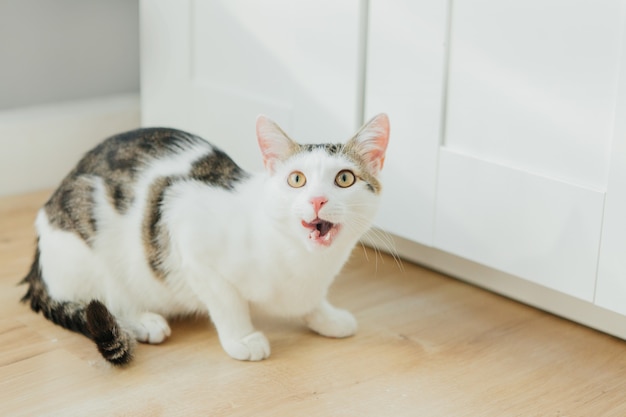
column 514, row 155
column 527, row 225
column 405, row 78
column 611, row 280
column 211, row 66
column 507, row 159
column 528, row 127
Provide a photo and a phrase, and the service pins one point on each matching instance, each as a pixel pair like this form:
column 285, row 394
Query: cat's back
column 127, row 170
column 121, row 158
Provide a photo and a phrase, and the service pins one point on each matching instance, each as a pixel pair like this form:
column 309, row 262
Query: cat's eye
column 345, row 178
column 296, row 179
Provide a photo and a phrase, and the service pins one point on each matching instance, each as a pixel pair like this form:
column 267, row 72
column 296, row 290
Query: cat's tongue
column 322, row 232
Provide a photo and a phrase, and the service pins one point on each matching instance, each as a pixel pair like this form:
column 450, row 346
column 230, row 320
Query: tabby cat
column 157, row 223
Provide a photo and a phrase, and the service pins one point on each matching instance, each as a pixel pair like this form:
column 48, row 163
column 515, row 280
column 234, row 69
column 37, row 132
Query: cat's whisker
column 377, row 239
column 387, row 241
column 367, row 258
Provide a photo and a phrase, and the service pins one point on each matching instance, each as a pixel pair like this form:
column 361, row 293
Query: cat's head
column 326, row 193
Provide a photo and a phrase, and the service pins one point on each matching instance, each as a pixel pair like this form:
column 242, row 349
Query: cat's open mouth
column 322, row 231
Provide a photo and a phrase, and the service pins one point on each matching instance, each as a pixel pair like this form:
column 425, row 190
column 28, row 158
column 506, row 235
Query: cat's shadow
column 188, row 333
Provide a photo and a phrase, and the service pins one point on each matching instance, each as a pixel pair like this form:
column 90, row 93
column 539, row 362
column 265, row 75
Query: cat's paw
column 152, row 328
column 254, row 347
column 332, row 322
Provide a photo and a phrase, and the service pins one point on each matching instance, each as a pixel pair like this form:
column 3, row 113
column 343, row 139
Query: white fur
column 228, row 250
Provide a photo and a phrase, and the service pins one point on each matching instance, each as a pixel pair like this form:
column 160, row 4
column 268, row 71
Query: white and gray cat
column 157, row 223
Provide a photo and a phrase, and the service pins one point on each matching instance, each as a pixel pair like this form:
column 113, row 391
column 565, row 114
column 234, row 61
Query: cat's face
column 324, row 194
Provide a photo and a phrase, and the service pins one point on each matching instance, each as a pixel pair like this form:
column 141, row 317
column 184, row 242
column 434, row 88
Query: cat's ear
column 275, row 145
column 370, row 142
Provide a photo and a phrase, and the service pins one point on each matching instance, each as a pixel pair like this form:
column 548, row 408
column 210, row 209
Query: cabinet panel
column 532, row 87
column 532, row 84
column 527, row 225
column 405, row 78
column 211, row 66
column 611, row 286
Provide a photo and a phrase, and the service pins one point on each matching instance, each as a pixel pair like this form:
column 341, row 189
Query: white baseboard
column 40, row 145
column 510, row 286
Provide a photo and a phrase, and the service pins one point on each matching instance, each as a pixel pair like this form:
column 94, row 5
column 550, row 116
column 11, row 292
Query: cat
column 157, row 222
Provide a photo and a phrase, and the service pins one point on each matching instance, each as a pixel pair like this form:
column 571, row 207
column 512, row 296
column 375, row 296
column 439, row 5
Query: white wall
column 58, row 50
column 69, row 77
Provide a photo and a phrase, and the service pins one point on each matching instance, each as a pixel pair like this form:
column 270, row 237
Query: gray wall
column 57, row 50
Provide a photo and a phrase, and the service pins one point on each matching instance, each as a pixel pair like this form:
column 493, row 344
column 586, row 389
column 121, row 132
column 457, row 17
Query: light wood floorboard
column 427, row 345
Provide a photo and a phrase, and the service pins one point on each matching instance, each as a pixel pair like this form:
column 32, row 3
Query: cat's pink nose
column 318, row 202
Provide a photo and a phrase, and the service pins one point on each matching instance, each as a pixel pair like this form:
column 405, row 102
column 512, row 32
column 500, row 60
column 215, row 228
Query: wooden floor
column 427, row 345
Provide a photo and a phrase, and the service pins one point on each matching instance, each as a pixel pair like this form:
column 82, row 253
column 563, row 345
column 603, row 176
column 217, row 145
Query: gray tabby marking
column 117, row 161
column 71, row 207
column 155, row 238
column 216, row 169
column 330, row 148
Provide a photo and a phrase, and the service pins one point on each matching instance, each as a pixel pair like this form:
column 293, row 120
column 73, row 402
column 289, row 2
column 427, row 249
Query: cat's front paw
column 254, row 347
column 332, row 322
column 151, row 328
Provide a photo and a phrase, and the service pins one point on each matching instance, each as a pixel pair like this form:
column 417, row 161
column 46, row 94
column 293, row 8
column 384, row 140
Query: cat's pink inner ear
column 274, row 144
column 373, row 139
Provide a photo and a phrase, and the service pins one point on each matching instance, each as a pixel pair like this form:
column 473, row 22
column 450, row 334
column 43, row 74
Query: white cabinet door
column 405, row 78
column 611, row 287
column 500, row 149
column 211, row 66
column 529, row 122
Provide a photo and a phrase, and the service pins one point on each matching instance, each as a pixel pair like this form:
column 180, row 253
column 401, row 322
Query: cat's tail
column 93, row 320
